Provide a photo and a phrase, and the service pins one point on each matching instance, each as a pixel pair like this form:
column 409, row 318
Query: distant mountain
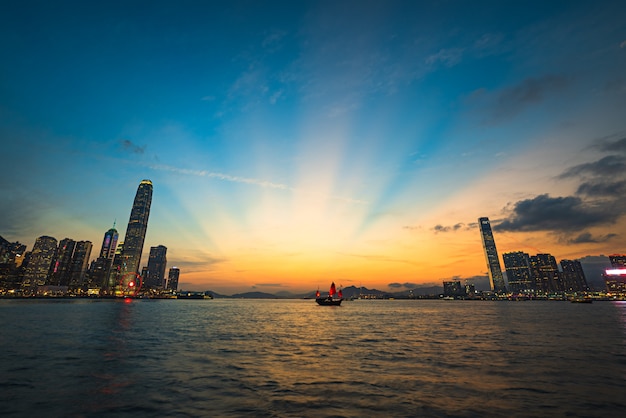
column 255, row 295
column 348, row 292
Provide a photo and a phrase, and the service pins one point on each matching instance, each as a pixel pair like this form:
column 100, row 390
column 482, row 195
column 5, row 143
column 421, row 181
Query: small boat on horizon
column 330, row 300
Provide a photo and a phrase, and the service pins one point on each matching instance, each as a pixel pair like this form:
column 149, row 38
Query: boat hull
column 328, row 301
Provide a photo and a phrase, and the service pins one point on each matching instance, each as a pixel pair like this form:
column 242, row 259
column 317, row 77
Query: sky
column 291, row 144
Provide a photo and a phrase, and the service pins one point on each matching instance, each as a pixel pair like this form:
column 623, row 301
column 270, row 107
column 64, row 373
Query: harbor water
column 293, row 358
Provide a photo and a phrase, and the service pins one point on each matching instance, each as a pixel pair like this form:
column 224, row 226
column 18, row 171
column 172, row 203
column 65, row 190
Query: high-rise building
column 101, row 268
column 156, row 268
column 61, row 265
column 491, row 255
column 172, row 278
column 618, row 260
column 38, row 268
column 517, row 265
column 573, row 276
column 545, row 273
column 136, row 230
column 109, row 243
column 80, row 259
column 114, row 272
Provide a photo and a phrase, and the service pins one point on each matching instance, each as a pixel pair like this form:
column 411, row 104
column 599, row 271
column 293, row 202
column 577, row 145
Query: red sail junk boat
column 331, row 300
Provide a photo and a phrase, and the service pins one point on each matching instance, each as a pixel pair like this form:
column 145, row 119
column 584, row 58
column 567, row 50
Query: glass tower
column 136, row 230
column 109, row 243
column 491, row 254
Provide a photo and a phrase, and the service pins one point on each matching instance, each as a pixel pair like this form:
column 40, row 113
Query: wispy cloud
column 221, row 176
column 250, row 181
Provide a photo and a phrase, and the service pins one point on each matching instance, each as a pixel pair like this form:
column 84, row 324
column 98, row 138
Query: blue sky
column 291, row 143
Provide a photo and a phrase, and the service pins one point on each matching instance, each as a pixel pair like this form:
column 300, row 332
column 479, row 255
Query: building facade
column 545, row 273
column 518, row 273
column 573, row 276
column 38, row 268
column 157, row 262
column 61, row 265
column 172, row 278
column 137, row 228
column 491, row 255
column 80, row 261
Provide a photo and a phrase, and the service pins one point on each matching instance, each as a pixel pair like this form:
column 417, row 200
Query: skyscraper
column 41, row 258
column 156, row 268
column 491, row 255
column 80, row 259
column 545, row 273
column 517, row 265
column 172, row 278
column 109, row 243
column 61, row 265
column 136, row 230
column 573, row 276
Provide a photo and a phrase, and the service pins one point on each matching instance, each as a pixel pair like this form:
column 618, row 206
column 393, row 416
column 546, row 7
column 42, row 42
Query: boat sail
column 330, row 300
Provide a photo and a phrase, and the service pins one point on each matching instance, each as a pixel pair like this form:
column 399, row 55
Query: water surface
column 269, row 358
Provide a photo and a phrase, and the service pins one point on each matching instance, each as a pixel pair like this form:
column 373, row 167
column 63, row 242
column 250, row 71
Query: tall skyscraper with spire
column 491, row 255
column 136, row 230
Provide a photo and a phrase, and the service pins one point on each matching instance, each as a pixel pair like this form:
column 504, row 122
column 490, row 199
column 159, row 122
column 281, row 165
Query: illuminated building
column 615, row 280
column 453, row 288
column 491, row 255
column 156, row 268
column 61, row 264
column 618, row 260
column 517, row 265
column 172, row 278
column 112, row 276
column 136, row 230
column 38, row 269
column 11, row 257
column 80, row 259
column 109, row 243
column 101, row 267
column 573, row 276
column 545, row 273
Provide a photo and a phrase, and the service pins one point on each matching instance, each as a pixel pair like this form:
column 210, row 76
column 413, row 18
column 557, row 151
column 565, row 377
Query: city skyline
column 291, row 145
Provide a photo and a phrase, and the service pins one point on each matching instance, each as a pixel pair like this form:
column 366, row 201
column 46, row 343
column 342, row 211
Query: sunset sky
column 296, row 143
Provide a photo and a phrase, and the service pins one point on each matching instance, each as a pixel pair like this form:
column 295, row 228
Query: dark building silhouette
column 518, row 273
column 137, row 228
column 156, row 268
column 453, row 288
column 573, row 276
column 80, row 261
column 172, row 278
column 491, row 255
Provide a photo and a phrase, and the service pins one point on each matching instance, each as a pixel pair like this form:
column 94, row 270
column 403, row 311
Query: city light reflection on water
column 294, row 358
